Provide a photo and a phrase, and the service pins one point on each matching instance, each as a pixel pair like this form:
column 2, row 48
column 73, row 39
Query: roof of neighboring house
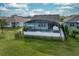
column 72, row 18
column 46, row 17
column 2, row 17
column 17, row 19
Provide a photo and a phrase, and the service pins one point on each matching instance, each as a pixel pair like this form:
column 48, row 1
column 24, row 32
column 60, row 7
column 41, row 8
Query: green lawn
column 9, row 46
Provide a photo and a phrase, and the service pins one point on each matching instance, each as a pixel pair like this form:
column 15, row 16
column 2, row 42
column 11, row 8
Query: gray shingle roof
column 46, row 17
column 73, row 18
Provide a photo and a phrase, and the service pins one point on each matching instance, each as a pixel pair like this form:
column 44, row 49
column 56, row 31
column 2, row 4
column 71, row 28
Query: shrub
column 74, row 33
column 25, row 28
column 66, row 31
column 17, row 27
column 19, row 34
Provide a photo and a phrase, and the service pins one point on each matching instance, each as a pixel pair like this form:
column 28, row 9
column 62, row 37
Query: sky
column 31, row 9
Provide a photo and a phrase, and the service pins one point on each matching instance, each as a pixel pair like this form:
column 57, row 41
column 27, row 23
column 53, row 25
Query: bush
column 25, row 28
column 19, row 34
column 66, row 31
column 17, row 27
column 74, row 33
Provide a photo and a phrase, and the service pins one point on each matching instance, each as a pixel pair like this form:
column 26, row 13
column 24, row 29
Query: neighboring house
column 6, row 19
column 72, row 22
column 15, row 21
column 44, row 25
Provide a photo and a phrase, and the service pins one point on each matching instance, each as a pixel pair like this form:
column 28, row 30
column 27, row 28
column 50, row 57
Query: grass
column 9, row 46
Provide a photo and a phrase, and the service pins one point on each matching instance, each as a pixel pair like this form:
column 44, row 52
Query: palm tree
column 62, row 18
column 61, row 26
column 2, row 24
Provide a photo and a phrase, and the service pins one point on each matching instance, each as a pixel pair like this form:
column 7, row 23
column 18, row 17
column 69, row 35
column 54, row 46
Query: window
column 17, row 23
column 77, row 25
column 39, row 25
column 42, row 25
column 7, row 24
column 71, row 24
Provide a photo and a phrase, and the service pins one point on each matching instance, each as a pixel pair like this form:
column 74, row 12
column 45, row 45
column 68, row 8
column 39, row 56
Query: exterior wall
column 9, row 25
column 73, row 25
column 19, row 24
column 16, row 24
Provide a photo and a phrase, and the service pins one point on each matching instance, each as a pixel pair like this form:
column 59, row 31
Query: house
column 43, row 22
column 44, row 25
column 72, row 22
column 6, row 19
column 15, row 21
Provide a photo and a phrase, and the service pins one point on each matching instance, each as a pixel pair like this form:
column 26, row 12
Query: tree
column 62, row 18
column 2, row 24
